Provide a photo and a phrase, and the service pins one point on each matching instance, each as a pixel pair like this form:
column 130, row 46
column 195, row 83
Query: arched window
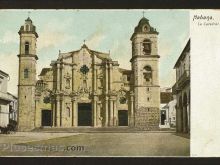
column 147, row 74
column 26, row 47
column 122, row 100
column 147, row 47
column 26, row 73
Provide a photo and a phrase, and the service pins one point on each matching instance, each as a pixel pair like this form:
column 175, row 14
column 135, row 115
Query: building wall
column 4, row 113
column 7, row 100
column 182, row 90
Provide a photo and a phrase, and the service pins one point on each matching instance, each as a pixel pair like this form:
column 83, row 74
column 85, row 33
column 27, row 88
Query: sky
column 103, row 30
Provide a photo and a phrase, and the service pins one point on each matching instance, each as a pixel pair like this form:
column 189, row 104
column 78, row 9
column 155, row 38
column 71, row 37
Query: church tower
column 27, row 76
column 145, row 66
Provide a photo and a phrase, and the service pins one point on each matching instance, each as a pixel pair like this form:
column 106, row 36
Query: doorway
column 122, row 118
column 46, row 118
column 84, row 114
column 163, row 117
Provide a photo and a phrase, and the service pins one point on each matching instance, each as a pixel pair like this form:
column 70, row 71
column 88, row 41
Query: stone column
column 94, row 77
column 115, row 113
column 188, row 115
column 94, row 111
column 61, row 111
column 110, row 76
column 106, row 111
column 74, row 112
column 53, row 106
column 98, row 118
column 106, row 77
column 177, row 118
column 132, row 110
column 61, row 77
column 111, row 113
column 58, row 111
column 58, row 76
column 185, row 119
column 73, row 78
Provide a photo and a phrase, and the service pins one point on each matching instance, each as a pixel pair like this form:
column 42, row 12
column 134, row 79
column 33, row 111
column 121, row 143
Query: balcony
column 181, row 82
column 5, row 96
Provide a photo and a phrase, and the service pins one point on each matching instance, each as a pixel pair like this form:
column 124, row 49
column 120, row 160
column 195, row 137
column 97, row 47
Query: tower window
column 26, row 73
column 147, row 47
column 147, row 73
column 26, row 47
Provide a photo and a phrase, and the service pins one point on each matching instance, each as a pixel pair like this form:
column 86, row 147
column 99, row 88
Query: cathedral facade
column 88, row 88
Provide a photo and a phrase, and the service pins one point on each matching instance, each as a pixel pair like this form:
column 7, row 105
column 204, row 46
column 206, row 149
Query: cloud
column 121, row 51
column 9, row 64
column 169, row 79
column 164, row 48
column 49, row 39
column 94, row 40
column 9, row 37
column 53, row 33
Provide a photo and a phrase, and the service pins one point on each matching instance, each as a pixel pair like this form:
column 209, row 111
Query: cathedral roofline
column 44, row 71
column 101, row 55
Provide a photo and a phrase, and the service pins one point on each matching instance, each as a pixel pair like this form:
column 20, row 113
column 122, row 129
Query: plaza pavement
column 94, row 144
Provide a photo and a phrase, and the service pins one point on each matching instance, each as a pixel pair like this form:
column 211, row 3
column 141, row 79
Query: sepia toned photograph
column 95, row 83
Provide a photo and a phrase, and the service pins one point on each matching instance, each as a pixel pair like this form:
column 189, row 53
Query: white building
column 8, row 102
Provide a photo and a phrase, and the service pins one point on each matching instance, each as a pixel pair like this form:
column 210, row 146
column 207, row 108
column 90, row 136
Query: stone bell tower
column 27, row 76
column 145, row 64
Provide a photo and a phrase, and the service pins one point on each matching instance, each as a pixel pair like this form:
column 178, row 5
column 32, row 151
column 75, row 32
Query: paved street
column 94, row 144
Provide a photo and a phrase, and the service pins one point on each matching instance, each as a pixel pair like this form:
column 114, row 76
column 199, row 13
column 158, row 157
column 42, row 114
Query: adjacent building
column 8, row 102
column 167, row 108
column 86, row 87
column 182, row 90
